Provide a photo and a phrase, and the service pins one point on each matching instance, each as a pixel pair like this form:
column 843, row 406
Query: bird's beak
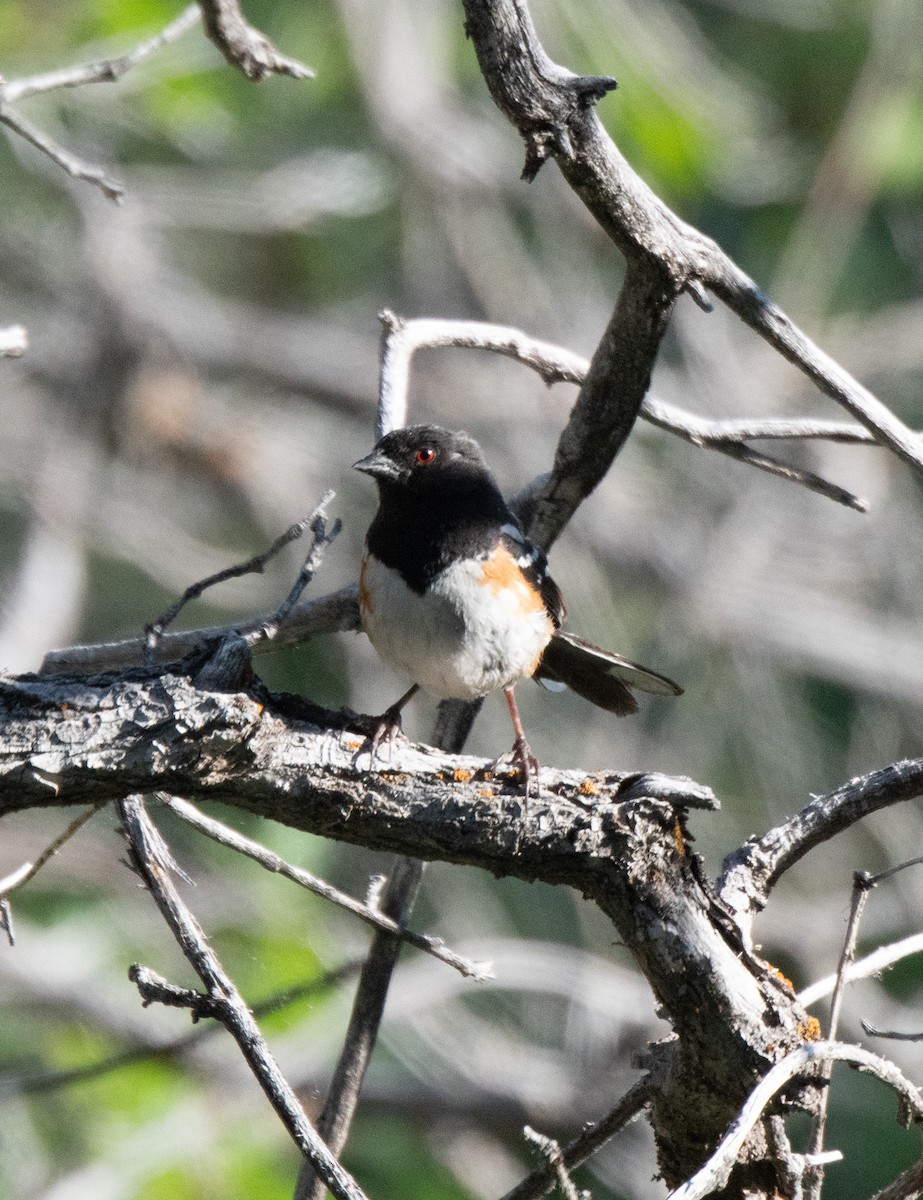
column 378, row 465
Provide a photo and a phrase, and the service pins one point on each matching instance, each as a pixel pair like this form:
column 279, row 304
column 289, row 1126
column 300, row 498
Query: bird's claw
column 522, row 758
column 386, row 728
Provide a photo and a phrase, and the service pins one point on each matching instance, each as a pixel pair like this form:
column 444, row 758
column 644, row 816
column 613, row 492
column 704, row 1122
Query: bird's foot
column 522, row 758
column 386, row 728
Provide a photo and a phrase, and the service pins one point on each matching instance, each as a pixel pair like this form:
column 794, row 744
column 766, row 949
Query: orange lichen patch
column 486, row 792
column 501, row 573
column 588, row 788
column 679, row 839
column 365, row 599
column 810, row 1030
column 784, row 978
column 354, row 745
column 460, row 775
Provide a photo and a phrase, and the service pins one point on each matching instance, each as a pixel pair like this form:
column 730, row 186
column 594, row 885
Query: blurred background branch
column 202, row 363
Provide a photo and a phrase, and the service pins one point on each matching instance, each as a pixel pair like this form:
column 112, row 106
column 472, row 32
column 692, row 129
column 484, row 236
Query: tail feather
column 603, row 678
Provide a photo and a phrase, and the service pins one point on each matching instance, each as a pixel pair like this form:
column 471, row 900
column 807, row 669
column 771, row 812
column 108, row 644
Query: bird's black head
column 414, row 457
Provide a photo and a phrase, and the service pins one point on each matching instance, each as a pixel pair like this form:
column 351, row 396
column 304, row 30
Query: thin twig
column 105, row 71
column 590, row 1139
column 872, row 964
column 365, row 1020
column 552, row 1151
column 254, row 565
column 175, row 1047
column 860, row 895
column 151, row 859
column 338, row 612
column 713, row 1176
column 76, row 167
column 269, row 631
column 271, row 861
column 401, row 339
column 891, row 1034
column 29, row 870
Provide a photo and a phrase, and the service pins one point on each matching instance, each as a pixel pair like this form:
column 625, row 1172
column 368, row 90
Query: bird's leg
column 388, row 725
column 521, row 753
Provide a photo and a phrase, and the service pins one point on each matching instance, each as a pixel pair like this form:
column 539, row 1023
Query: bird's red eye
column 425, row 455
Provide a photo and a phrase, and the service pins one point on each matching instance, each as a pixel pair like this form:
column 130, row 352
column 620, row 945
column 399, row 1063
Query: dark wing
column 600, row 676
column 534, row 565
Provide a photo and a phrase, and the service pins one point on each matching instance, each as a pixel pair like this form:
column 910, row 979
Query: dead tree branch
column 553, row 110
column 342, row 1097
column 871, row 964
column 716, row 1172
column 245, row 47
column 402, row 339
column 610, row 836
column 271, row 861
column 104, row 71
column 316, row 521
column 153, row 862
column 593, row 1137
column 750, row 873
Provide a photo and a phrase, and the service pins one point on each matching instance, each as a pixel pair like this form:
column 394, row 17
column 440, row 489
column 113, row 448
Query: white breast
column 475, row 630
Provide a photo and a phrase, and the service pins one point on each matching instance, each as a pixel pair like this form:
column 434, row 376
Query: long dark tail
column 600, row 676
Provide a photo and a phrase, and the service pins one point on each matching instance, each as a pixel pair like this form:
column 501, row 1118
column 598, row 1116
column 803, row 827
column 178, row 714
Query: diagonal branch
column 245, row 47
column 104, row 71
column 153, row 863
column 375, row 916
column 592, row 1138
column 552, row 109
column 714, row 1175
column 342, row 1097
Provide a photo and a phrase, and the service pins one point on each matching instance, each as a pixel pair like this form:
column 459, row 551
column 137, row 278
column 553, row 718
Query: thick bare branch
column 906, row 1187
column 608, row 835
column 245, row 47
column 552, row 109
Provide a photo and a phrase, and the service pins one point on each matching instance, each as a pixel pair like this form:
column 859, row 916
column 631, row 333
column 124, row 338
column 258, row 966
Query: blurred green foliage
column 730, row 111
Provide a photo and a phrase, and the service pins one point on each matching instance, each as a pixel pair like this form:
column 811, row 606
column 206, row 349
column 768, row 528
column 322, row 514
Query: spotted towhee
column 453, row 593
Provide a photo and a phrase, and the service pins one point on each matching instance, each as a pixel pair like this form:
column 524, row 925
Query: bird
column 453, row 593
